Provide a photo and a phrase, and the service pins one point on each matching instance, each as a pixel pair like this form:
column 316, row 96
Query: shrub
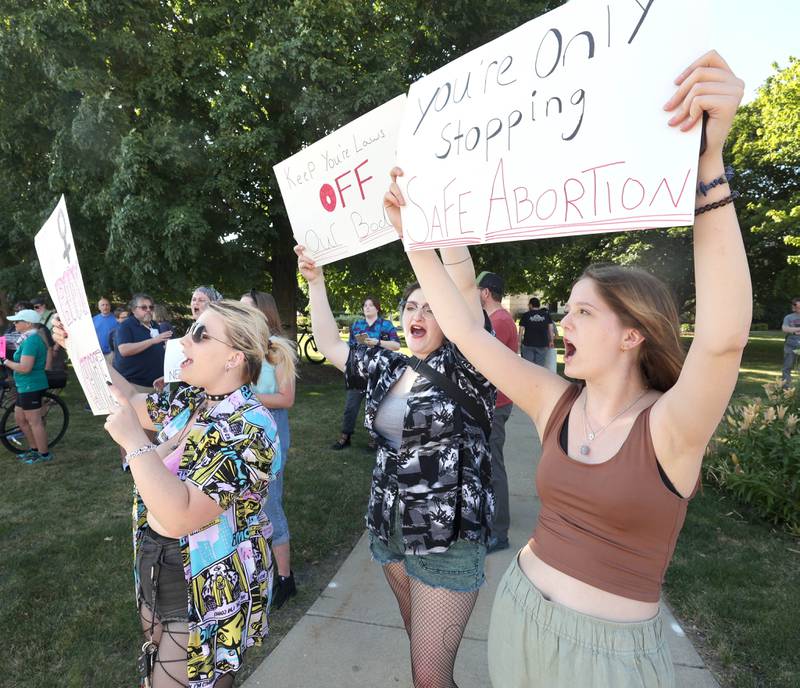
column 759, row 327
column 756, row 454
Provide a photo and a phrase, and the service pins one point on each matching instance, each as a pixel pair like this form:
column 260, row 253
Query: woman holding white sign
column 621, row 452
column 203, row 567
column 431, row 499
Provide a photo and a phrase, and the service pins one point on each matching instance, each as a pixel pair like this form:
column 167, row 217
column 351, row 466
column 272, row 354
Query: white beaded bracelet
column 141, row 450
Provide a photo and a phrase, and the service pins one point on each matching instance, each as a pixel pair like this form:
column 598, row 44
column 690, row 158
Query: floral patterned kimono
column 227, row 564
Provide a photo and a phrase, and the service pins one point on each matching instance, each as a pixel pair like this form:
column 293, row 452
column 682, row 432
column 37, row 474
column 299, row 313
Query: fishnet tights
column 435, row 620
column 170, row 669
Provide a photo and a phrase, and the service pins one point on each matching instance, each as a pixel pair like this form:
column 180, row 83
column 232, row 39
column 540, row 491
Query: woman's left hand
column 123, row 423
column 707, row 85
column 393, row 200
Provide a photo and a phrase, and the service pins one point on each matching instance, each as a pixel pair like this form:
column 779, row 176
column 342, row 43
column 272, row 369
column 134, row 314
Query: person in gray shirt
column 791, row 326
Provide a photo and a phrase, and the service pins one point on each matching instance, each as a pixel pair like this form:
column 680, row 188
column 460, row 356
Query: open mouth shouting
column 417, row 332
column 569, row 350
column 186, row 363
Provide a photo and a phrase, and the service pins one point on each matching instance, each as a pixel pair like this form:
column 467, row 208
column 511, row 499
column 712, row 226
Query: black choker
column 218, row 397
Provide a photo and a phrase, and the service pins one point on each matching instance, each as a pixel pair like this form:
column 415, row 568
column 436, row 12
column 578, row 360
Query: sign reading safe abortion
column 554, row 129
column 62, row 275
column 333, row 189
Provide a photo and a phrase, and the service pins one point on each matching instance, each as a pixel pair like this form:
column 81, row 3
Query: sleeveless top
column 612, row 525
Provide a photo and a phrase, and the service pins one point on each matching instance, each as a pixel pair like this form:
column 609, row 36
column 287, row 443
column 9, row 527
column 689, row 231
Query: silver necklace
column 590, row 433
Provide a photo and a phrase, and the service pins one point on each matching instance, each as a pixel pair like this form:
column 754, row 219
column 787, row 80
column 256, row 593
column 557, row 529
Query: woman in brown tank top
column 621, row 453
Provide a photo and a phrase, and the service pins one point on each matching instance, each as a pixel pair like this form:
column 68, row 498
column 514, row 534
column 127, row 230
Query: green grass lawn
column 65, row 551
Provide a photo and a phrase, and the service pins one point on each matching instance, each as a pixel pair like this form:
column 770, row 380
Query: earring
column 228, row 367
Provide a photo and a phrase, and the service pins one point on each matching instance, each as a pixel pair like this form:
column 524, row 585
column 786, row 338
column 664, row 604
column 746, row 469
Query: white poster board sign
column 555, row 129
column 333, row 189
column 62, row 275
column 173, row 357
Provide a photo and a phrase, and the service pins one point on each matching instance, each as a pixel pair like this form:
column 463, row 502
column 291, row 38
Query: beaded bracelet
column 703, row 188
column 717, row 204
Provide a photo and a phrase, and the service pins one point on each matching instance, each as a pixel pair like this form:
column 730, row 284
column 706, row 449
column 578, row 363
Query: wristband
column 141, row 450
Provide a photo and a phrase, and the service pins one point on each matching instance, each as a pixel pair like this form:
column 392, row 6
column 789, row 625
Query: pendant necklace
column 587, row 426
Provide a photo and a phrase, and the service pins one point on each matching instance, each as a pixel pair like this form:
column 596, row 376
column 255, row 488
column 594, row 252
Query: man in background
column 491, row 288
column 536, row 333
column 139, row 355
column 104, row 324
column 791, row 326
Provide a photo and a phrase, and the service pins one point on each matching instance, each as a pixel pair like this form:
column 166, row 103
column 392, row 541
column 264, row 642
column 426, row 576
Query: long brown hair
column 644, row 302
column 265, row 302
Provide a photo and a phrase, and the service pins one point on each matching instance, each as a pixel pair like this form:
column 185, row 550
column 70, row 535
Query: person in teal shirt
column 28, row 366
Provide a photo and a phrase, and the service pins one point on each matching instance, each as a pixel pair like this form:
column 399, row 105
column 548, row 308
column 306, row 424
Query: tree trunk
column 283, row 269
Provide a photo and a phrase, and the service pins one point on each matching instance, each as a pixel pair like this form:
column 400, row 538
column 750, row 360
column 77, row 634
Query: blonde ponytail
column 282, row 356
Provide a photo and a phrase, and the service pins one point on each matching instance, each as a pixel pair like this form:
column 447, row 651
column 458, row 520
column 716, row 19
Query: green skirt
column 536, row 643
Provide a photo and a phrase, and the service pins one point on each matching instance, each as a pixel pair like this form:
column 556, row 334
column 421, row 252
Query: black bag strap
column 457, row 394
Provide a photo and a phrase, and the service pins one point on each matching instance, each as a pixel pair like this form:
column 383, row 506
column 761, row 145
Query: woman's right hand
column 306, row 265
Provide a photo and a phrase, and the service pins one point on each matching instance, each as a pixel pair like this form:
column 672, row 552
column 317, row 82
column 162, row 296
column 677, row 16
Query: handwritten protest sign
column 333, row 189
column 555, row 129
column 62, row 275
column 173, row 357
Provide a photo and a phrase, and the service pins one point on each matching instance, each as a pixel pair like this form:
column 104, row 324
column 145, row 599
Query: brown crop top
column 612, row 525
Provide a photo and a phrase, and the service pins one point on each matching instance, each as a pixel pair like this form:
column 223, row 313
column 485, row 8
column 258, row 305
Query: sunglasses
column 198, row 333
column 146, row 308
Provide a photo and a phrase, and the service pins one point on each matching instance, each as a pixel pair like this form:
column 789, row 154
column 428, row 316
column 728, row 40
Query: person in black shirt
column 536, row 333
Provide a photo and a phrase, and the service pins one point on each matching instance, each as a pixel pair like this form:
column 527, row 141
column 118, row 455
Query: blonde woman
column 203, row 566
column 621, row 452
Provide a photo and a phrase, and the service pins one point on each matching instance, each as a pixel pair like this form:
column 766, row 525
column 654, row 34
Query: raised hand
column 393, row 200
column 306, row 265
column 123, row 423
column 707, row 85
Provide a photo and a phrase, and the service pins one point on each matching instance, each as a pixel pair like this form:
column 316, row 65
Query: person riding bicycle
column 28, row 365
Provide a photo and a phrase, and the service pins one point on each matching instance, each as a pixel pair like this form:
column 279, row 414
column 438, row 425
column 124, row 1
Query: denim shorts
column 159, row 558
column 459, row 569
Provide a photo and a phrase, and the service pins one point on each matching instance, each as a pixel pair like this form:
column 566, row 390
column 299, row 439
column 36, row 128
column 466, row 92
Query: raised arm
column 457, row 261
column 137, row 401
column 532, row 387
column 323, row 324
column 686, row 416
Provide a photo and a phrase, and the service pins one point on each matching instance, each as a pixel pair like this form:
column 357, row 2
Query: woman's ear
column 631, row 339
column 235, row 360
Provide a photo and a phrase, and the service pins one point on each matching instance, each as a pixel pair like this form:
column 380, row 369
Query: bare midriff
column 570, row 592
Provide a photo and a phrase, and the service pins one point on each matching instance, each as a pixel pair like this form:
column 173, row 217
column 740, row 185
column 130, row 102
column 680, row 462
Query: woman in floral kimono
column 203, row 566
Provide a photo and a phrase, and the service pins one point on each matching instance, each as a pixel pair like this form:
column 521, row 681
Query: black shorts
column 30, row 401
column 159, row 561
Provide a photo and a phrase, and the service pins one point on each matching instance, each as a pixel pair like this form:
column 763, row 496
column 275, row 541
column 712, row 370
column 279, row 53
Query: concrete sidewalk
column 353, row 636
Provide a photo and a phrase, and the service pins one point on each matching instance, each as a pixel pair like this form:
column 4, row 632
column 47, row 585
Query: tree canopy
column 161, row 122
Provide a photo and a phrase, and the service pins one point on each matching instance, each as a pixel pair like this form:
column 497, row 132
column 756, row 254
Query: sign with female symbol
column 58, row 259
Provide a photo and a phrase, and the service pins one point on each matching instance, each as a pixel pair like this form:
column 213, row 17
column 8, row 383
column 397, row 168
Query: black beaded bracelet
column 703, row 188
column 717, row 204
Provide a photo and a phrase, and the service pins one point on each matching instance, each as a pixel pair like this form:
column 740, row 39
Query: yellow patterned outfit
column 227, row 564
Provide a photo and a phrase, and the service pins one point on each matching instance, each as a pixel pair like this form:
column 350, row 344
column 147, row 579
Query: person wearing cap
column 45, row 315
column 28, row 365
column 492, row 287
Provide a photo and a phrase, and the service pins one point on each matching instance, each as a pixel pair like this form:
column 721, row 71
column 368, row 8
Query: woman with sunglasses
column 431, row 500
column 622, row 450
column 203, row 566
column 275, row 389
